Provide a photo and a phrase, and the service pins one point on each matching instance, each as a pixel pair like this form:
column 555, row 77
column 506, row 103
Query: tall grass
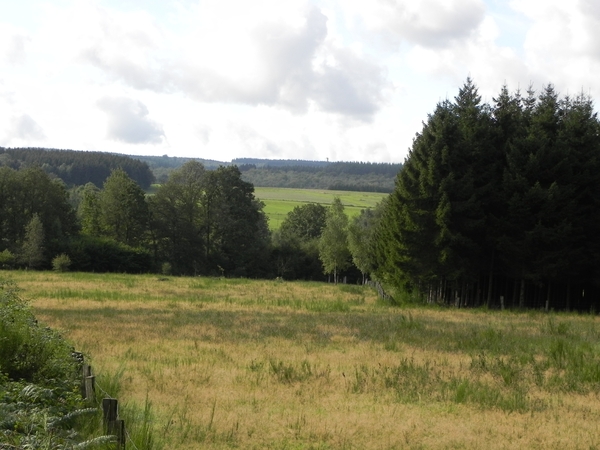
column 221, row 363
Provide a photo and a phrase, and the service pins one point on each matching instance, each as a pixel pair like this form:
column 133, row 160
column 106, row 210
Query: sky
column 337, row 80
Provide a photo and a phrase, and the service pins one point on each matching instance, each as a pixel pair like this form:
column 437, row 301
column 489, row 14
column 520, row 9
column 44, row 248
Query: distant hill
column 344, row 176
column 277, row 162
column 293, row 173
column 161, row 166
column 80, row 167
column 77, row 168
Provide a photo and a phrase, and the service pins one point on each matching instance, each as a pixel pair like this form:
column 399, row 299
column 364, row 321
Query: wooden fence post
column 89, row 389
column 112, row 424
column 85, row 372
column 120, row 433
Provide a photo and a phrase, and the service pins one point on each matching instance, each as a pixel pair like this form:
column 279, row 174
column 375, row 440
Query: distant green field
column 280, row 201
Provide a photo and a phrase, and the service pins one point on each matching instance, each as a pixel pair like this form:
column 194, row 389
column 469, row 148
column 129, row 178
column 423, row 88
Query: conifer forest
column 498, row 203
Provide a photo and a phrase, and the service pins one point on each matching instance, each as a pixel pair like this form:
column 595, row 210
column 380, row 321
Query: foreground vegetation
column 41, row 400
column 267, row 364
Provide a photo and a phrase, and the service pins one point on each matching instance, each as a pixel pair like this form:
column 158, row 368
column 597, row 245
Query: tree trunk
column 490, row 282
column 522, row 294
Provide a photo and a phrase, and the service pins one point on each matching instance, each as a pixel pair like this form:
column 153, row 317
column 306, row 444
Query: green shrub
column 99, row 254
column 166, row 268
column 7, row 260
column 27, row 351
column 61, row 263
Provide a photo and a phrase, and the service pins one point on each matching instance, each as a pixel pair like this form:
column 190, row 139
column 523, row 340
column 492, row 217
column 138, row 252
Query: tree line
column 498, row 204
column 77, row 168
column 199, row 222
column 346, row 176
column 300, row 174
column 265, row 177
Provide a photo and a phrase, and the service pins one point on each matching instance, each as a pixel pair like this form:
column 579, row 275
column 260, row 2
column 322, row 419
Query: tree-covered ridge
column 299, row 174
column 499, row 202
column 302, row 179
column 77, row 168
column 343, row 176
column 337, row 167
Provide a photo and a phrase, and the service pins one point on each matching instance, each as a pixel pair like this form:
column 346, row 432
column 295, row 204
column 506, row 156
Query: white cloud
column 280, row 60
column 23, row 128
column 128, row 121
column 428, row 23
column 312, row 79
column 561, row 45
column 13, row 44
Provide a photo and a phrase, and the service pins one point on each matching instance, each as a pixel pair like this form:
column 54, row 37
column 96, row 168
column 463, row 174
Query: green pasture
column 280, row 201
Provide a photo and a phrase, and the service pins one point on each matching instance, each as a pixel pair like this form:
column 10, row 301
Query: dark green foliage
column 304, row 222
column 238, row 231
column 295, row 253
column 29, row 352
column 177, row 217
column 101, row 254
column 498, row 202
column 123, row 210
column 210, row 223
column 295, row 259
column 77, row 168
column 345, row 176
column 30, row 193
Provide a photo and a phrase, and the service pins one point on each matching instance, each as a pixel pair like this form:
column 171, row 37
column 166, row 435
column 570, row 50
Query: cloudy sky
column 347, row 80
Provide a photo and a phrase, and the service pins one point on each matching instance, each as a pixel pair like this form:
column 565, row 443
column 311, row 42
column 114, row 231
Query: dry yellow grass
column 265, row 364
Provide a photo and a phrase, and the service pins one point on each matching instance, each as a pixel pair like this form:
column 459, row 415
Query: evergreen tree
column 511, row 190
column 414, row 243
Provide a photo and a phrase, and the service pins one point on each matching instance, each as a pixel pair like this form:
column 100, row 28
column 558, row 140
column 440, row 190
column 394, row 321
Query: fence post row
column 110, row 406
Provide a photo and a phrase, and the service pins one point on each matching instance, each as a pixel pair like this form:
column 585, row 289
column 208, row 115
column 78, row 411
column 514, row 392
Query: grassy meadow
column 235, row 363
column 280, row 201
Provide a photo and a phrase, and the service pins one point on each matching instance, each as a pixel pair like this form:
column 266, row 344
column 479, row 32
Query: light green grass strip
column 280, row 201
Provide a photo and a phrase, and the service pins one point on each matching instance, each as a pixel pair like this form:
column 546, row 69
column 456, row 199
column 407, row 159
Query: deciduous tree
column 124, row 209
column 333, row 243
